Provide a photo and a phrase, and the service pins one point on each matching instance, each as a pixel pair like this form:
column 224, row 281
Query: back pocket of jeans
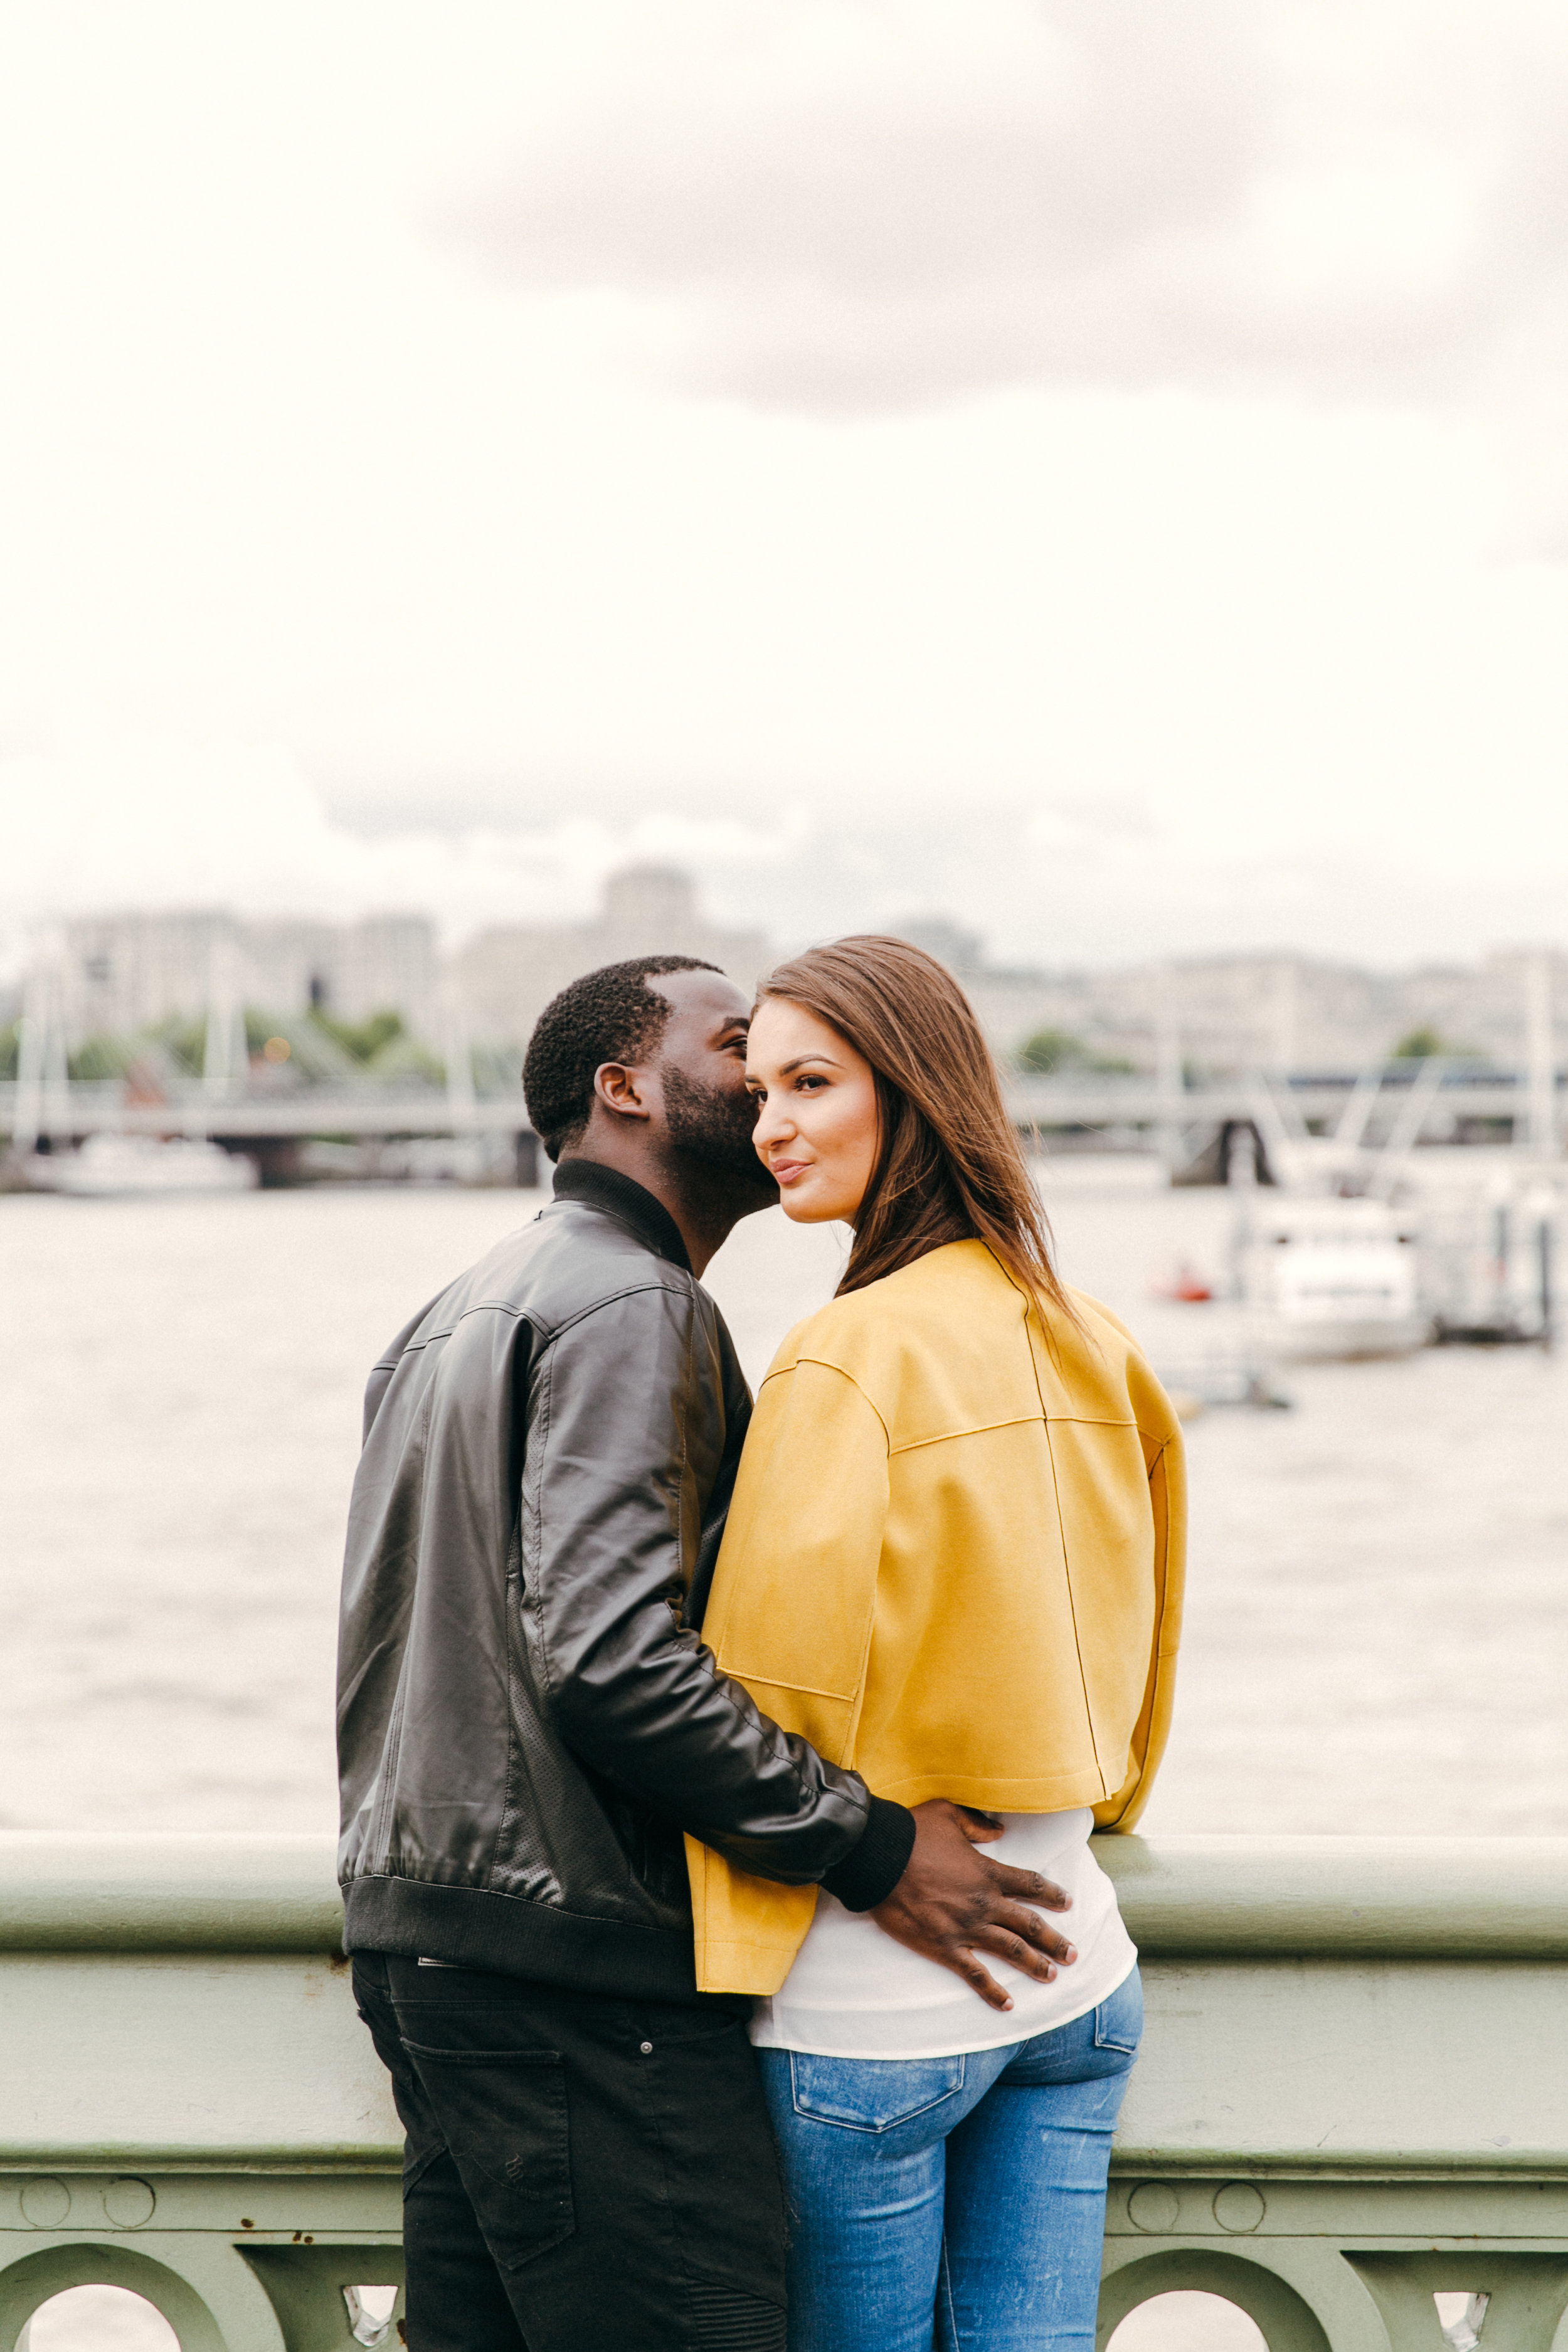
column 1118, row 2022
column 871, row 2094
column 504, row 2116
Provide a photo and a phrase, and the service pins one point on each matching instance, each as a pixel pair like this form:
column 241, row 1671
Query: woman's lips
column 785, row 1171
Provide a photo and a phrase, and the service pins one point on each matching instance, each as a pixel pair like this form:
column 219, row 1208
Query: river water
column 1377, row 1630
column 1377, row 1627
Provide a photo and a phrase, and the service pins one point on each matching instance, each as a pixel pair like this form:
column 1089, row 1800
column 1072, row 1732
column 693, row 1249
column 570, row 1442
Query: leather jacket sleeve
column 609, row 1533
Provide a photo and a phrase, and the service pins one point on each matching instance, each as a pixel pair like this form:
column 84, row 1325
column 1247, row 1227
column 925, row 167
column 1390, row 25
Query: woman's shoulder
column 1103, row 1369
column 938, row 1347
column 890, row 1316
column 944, row 1343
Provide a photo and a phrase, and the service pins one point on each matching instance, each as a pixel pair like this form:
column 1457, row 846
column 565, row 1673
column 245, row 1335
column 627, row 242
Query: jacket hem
column 747, row 1966
column 514, row 1935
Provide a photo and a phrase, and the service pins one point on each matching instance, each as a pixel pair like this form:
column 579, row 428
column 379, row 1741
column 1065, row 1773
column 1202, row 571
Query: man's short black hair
column 608, row 1015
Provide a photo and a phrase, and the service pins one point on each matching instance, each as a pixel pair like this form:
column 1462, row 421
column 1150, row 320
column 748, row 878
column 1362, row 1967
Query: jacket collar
column 632, row 1204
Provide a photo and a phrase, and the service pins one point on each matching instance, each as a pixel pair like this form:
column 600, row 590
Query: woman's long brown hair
column 950, row 1167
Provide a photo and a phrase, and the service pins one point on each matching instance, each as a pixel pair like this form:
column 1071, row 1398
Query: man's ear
column 621, row 1087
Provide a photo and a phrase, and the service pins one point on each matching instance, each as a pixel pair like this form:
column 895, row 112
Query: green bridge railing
column 1353, row 2100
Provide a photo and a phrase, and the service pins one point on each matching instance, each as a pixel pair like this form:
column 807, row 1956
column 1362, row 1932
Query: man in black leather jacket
column 527, row 1723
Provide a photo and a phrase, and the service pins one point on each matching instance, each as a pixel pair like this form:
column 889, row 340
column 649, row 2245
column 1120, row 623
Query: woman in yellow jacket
column 953, row 1562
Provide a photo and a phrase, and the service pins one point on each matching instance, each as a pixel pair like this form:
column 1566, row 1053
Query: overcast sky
column 1096, row 467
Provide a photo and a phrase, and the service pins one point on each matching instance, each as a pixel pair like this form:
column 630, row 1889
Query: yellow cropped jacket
column 953, row 1562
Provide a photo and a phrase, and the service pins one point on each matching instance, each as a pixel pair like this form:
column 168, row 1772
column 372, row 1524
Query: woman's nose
column 771, row 1125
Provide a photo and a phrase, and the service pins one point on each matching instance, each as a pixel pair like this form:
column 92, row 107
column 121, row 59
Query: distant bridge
column 268, row 1128
column 1414, row 1103
column 1095, row 1100
column 1405, row 1104
column 1389, row 1110
column 80, row 1109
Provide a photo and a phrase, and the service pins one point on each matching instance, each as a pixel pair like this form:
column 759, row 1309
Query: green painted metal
column 1351, row 2098
column 1459, row 1898
column 167, row 1892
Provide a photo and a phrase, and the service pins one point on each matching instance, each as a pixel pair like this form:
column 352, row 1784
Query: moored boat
column 108, row 1165
column 1330, row 1278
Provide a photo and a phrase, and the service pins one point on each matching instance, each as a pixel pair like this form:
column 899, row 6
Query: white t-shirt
column 853, row 1992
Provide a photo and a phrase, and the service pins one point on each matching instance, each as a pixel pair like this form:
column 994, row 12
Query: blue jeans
column 953, row 2201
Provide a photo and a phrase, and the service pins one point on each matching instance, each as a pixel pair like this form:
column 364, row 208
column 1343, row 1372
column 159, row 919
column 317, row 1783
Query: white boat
column 107, row 1166
column 1327, row 1278
column 1489, row 1250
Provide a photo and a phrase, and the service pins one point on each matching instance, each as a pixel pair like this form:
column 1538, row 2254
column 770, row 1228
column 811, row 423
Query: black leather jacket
column 527, row 1720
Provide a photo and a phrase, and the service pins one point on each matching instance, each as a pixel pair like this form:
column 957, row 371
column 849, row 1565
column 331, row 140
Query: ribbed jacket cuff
column 873, row 1867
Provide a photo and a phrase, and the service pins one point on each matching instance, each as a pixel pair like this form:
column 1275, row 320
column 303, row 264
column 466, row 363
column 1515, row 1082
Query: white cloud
column 161, row 824
column 1057, row 885
column 852, row 203
column 834, row 443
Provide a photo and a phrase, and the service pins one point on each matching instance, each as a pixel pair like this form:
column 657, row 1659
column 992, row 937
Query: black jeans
column 584, row 2173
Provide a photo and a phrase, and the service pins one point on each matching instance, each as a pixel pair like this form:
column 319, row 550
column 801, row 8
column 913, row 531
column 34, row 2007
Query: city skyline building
column 122, row 973
column 507, row 975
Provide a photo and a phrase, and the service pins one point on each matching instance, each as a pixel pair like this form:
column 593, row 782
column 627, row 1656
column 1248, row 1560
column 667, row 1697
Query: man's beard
column 711, row 1127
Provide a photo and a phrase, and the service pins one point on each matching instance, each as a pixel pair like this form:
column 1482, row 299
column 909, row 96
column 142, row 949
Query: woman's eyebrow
column 800, row 1061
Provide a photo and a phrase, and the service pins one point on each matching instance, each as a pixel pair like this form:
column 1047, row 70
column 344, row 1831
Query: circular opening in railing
column 1187, row 2321
column 98, row 2319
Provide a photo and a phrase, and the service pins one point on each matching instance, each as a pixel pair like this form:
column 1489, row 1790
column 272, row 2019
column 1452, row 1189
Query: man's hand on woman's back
column 954, row 1903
